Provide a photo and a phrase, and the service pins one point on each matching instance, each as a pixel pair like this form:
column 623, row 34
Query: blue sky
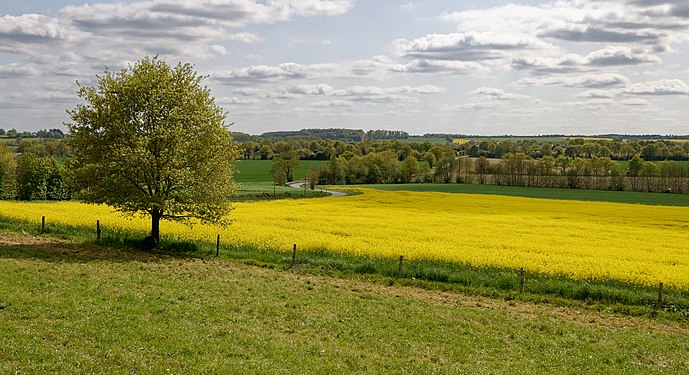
column 426, row 66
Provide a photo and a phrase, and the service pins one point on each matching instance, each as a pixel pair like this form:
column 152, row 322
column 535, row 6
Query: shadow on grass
column 109, row 249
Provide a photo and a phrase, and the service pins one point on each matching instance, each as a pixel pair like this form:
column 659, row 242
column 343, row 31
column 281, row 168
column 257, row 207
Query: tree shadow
column 59, row 251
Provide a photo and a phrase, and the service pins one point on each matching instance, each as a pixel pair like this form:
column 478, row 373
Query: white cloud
column 635, row 102
column 492, row 93
column 470, row 46
column 607, row 80
column 662, row 87
column 248, row 38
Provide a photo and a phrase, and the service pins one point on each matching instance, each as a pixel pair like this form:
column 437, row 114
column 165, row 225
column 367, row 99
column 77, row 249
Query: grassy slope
column 69, row 307
column 550, row 193
column 259, row 170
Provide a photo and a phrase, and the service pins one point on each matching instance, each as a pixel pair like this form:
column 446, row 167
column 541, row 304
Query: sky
column 486, row 67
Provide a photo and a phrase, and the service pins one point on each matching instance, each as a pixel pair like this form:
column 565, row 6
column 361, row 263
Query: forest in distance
column 32, row 164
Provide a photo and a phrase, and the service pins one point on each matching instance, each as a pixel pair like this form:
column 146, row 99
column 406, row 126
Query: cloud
column 471, row 46
column 592, row 104
column 30, row 27
column 309, row 41
column 635, row 102
column 267, row 73
column 607, row 80
column 17, row 70
column 662, row 87
column 154, row 14
column 638, row 26
column 319, row 89
column 248, row 38
column 21, row 33
column 598, row 94
column 605, row 57
column 492, row 93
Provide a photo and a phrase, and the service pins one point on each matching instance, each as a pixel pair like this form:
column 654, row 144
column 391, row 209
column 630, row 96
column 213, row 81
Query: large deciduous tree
column 150, row 139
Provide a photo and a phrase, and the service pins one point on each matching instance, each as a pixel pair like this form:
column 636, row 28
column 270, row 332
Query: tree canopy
column 150, row 139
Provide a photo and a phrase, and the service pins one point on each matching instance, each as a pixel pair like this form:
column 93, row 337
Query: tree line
column 28, row 176
column 397, row 162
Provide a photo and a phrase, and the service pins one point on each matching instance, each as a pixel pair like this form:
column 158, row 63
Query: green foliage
column 32, row 177
column 150, row 139
column 284, row 166
column 8, row 170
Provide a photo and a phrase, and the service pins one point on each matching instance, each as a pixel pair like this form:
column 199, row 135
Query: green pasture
column 625, row 163
column 664, row 199
column 259, row 170
column 80, row 307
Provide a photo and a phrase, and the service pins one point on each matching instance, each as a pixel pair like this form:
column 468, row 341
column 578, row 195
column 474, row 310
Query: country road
column 300, row 185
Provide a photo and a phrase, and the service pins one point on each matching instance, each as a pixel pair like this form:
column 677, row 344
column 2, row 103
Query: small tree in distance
column 150, row 139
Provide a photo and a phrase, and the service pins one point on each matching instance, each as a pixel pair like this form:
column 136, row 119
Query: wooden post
column 98, row 230
column 659, row 303
column 43, row 224
column 521, row 280
column 401, row 267
column 217, row 246
column 294, row 255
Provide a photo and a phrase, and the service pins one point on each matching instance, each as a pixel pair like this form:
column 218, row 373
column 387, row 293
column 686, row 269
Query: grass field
column 72, row 307
column 625, row 163
column 259, row 170
column 663, row 199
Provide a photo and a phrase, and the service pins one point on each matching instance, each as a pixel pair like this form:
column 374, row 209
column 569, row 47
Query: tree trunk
column 155, row 224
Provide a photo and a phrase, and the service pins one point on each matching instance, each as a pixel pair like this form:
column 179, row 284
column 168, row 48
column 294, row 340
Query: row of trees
column 318, row 149
column 600, row 173
column 43, row 133
column 28, row 176
column 440, row 164
column 580, row 147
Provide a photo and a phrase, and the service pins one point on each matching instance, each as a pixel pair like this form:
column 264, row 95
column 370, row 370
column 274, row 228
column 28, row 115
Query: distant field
column 511, row 139
column 625, row 163
column 422, row 139
column 259, row 170
column 663, row 199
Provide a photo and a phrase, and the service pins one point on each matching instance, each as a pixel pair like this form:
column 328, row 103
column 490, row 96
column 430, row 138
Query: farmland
column 579, row 240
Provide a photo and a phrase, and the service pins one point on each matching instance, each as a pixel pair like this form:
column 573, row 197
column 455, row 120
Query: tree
column 284, row 165
column 150, row 139
column 634, row 168
column 32, row 177
column 8, row 168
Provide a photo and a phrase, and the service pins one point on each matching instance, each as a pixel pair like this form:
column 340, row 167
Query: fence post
column 98, row 230
column 217, row 246
column 659, row 303
column 401, row 267
column 294, row 255
column 42, row 224
column 521, row 280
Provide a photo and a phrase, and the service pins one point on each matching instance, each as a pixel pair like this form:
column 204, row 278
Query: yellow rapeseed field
column 635, row 243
